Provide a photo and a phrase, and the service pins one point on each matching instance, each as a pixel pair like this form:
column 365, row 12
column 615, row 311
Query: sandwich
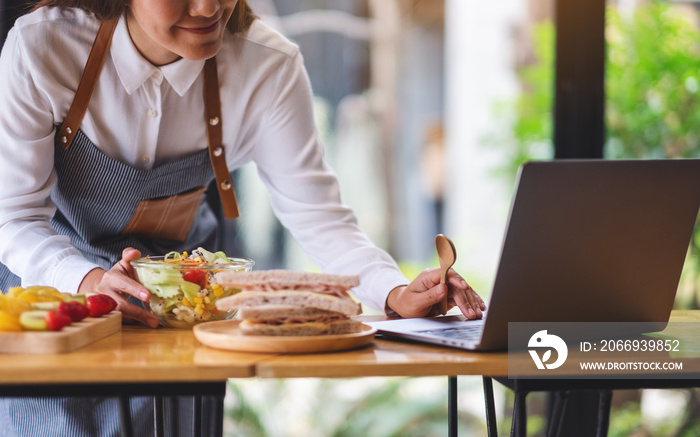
column 291, row 303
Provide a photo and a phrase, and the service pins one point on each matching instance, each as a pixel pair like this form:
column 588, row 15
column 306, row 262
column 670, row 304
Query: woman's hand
column 418, row 298
column 119, row 283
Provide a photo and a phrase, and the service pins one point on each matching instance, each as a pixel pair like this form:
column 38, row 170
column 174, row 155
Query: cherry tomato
column 194, row 276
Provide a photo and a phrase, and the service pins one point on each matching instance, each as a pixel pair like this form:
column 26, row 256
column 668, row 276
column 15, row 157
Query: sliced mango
column 13, row 305
column 38, row 293
column 9, row 322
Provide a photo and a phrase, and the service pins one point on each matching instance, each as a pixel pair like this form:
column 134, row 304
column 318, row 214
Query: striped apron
column 94, row 214
column 101, row 208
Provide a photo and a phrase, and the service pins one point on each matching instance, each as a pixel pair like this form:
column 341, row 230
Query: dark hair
column 240, row 21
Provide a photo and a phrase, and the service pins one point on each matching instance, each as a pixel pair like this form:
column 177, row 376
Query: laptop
column 586, row 241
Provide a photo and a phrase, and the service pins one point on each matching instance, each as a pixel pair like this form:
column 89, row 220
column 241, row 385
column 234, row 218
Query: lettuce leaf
column 165, row 283
column 190, row 290
column 211, row 257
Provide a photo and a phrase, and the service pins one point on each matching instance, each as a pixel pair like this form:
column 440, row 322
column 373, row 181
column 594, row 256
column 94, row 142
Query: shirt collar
column 133, row 69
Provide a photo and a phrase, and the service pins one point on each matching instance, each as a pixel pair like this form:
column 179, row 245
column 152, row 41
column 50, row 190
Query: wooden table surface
column 385, row 358
column 134, row 355
column 142, row 355
column 392, row 358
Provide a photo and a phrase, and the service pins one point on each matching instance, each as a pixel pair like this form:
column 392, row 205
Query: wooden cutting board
column 70, row 338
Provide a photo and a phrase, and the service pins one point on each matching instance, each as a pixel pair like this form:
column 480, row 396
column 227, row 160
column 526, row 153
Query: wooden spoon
column 447, row 254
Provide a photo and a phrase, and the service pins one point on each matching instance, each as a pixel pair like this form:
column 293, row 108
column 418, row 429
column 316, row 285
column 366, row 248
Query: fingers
column 120, row 287
column 122, row 276
column 459, row 283
column 473, row 301
column 420, row 296
column 464, row 296
column 120, row 283
column 134, row 313
column 140, row 315
column 469, row 308
column 416, row 302
column 129, row 254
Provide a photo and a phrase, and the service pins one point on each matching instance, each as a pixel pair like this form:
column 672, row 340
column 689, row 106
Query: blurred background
column 426, row 109
column 403, row 88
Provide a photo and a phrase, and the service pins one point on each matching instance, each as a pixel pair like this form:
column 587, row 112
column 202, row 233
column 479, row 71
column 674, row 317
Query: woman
column 96, row 149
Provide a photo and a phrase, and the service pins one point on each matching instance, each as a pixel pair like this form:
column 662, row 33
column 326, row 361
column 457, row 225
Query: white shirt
column 144, row 115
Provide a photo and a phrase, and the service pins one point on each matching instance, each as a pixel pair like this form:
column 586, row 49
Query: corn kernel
column 217, row 289
column 198, row 300
column 186, row 302
column 206, row 299
column 199, row 310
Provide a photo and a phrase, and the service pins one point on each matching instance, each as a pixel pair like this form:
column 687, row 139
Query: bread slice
column 286, row 313
column 284, row 279
column 290, row 298
column 347, row 326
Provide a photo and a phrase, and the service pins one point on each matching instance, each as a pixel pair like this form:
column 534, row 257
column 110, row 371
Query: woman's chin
column 201, row 53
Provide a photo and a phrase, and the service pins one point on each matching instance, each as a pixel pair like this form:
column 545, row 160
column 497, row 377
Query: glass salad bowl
column 183, row 287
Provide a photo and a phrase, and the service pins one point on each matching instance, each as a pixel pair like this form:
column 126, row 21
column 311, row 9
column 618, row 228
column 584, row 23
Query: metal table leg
column 158, row 422
column 172, row 409
column 491, row 426
column 604, row 412
column 452, row 424
column 125, row 425
column 213, row 416
column 519, row 425
column 197, row 414
column 557, row 413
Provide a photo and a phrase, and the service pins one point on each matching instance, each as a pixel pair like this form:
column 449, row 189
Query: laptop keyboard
column 470, row 332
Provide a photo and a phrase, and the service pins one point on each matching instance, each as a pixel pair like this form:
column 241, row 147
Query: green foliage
column 530, row 114
column 652, row 83
column 626, row 420
column 243, row 416
column 385, row 412
column 533, row 126
column 381, row 407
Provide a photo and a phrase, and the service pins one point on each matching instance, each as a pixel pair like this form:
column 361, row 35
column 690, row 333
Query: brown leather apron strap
column 212, row 104
column 96, row 59
column 217, row 156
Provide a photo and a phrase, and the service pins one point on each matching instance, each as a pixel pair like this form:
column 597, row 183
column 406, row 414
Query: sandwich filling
column 286, row 303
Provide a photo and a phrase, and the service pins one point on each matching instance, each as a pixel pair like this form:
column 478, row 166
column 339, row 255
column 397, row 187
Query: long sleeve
column 30, row 246
column 305, row 194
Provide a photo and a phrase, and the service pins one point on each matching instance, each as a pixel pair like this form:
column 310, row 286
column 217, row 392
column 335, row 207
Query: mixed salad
column 183, row 287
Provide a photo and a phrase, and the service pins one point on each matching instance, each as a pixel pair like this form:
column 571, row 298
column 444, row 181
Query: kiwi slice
column 33, row 320
column 45, row 306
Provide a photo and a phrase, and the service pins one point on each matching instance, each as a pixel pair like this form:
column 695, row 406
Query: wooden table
column 143, row 361
column 168, row 362
column 142, row 355
column 385, row 358
column 134, row 355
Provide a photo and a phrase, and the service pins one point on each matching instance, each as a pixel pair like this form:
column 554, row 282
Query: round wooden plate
column 224, row 334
